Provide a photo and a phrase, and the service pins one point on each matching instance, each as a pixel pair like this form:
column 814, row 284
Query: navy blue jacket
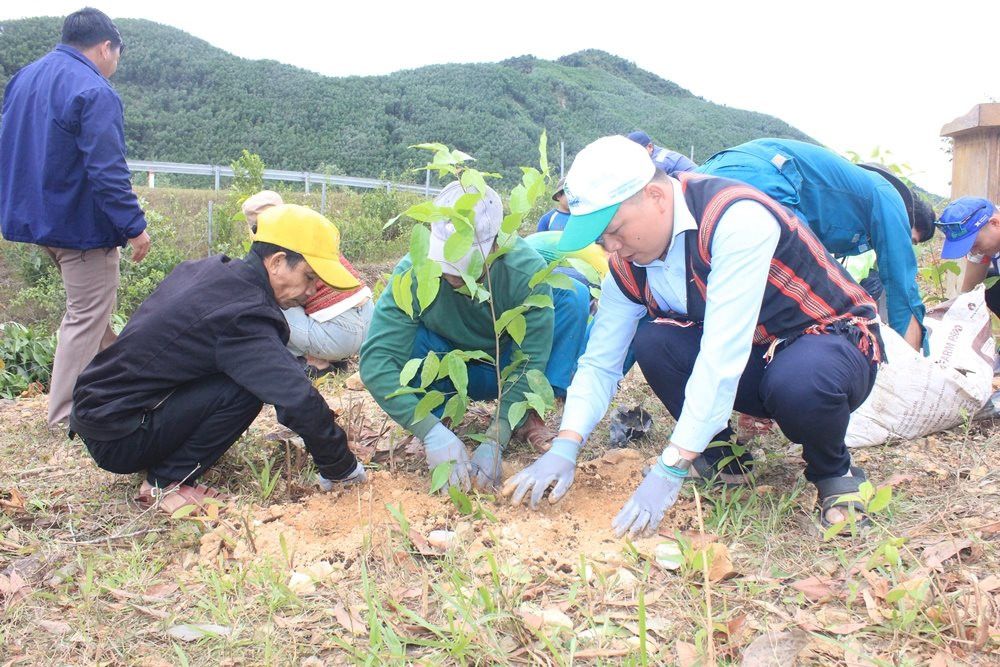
column 63, row 177
column 209, row 316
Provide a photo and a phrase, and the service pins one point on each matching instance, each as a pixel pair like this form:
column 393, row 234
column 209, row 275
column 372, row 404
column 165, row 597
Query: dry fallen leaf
column 55, row 627
column 351, row 620
column 838, row 622
column 687, row 655
column 818, row 588
column 422, row 545
column 164, row 590
column 775, row 649
column 536, row 619
column 354, row 383
column 16, row 501
column 615, row 456
column 936, row 554
column 720, row 565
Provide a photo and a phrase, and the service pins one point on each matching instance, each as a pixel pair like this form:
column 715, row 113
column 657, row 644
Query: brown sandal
column 535, row 432
column 176, row 496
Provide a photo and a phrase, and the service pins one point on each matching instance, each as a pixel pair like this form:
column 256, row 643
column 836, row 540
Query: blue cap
column 960, row 222
column 640, row 138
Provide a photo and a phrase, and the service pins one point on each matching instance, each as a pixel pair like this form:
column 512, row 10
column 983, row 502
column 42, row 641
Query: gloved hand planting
column 442, row 446
column 644, row 510
column 359, row 476
column 556, row 465
column 486, row 466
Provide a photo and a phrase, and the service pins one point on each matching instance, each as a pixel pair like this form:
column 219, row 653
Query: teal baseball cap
column 604, row 174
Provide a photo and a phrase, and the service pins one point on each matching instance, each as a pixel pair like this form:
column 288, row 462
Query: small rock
column 624, row 580
column 441, row 539
column 669, row 556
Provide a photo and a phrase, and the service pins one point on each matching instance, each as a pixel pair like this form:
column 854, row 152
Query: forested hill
column 188, row 101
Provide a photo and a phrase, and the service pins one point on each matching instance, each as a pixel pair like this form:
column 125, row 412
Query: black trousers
column 810, row 388
column 185, row 435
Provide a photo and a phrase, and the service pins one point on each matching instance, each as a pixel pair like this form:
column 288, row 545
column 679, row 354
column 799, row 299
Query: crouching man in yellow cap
column 199, row 358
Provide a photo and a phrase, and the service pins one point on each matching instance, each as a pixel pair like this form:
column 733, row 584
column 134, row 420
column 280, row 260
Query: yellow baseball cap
column 303, row 230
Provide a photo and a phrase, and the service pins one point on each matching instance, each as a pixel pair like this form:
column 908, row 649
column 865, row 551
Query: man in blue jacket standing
column 64, row 185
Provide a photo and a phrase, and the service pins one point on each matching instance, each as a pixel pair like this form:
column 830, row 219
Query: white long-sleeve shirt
column 744, row 243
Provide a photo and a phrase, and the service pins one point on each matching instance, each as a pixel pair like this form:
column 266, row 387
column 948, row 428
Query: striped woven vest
column 807, row 291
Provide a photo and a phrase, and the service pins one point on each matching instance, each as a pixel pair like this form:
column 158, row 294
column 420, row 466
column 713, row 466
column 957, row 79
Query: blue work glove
column 556, row 465
column 644, row 510
column 441, row 446
column 486, row 466
column 358, row 476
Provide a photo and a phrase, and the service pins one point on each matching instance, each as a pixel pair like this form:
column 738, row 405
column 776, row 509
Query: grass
column 125, row 578
column 107, row 583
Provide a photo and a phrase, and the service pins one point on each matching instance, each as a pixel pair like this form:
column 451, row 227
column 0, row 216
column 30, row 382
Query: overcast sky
column 853, row 75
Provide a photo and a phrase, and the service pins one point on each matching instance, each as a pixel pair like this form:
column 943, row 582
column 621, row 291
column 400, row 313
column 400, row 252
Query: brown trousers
column 91, row 281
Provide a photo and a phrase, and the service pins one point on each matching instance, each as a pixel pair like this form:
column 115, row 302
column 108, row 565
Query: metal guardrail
column 308, row 178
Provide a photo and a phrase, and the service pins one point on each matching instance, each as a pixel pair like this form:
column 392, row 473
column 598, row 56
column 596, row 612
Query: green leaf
column 588, row 271
column 420, row 241
column 892, row 555
column 543, row 152
column 866, row 490
column 506, row 316
column 536, row 402
column 517, row 328
column 895, row 595
column 458, row 244
column 397, row 513
column 455, row 408
column 474, row 355
column 409, row 371
column 405, row 391
column 595, row 293
column 516, row 413
column 402, row 291
column 511, row 222
column 560, row 281
column 540, row 385
column 473, row 180
column 501, row 250
column 428, row 282
column 460, row 499
column 517, row 360
column 833, row 530
column 539, row 301
column 534, row 183
column 426, row 405
column 458, row 373
column 990, row 281
column 465, row 206
column 881, row 500
column 440, row 475
column 426, row 211
column 182, row 512
column 430, row 370
column 518, row 201
column 542, row 274
column 430, row 147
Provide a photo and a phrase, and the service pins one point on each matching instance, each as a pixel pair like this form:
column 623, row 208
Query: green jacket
column 468, row 325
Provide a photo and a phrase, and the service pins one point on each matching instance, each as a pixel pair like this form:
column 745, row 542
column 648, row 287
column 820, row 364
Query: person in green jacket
column 455, row 321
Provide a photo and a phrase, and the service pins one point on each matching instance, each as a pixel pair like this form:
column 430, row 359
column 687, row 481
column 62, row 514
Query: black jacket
column 209, row 316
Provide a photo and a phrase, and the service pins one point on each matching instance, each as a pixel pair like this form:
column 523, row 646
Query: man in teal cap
column 744, row 297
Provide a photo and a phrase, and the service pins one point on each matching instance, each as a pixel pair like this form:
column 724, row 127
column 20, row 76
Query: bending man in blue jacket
column 851, row 209
column 64, row 185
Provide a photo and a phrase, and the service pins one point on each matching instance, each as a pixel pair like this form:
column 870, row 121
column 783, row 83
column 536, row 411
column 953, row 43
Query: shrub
column 26, row 355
